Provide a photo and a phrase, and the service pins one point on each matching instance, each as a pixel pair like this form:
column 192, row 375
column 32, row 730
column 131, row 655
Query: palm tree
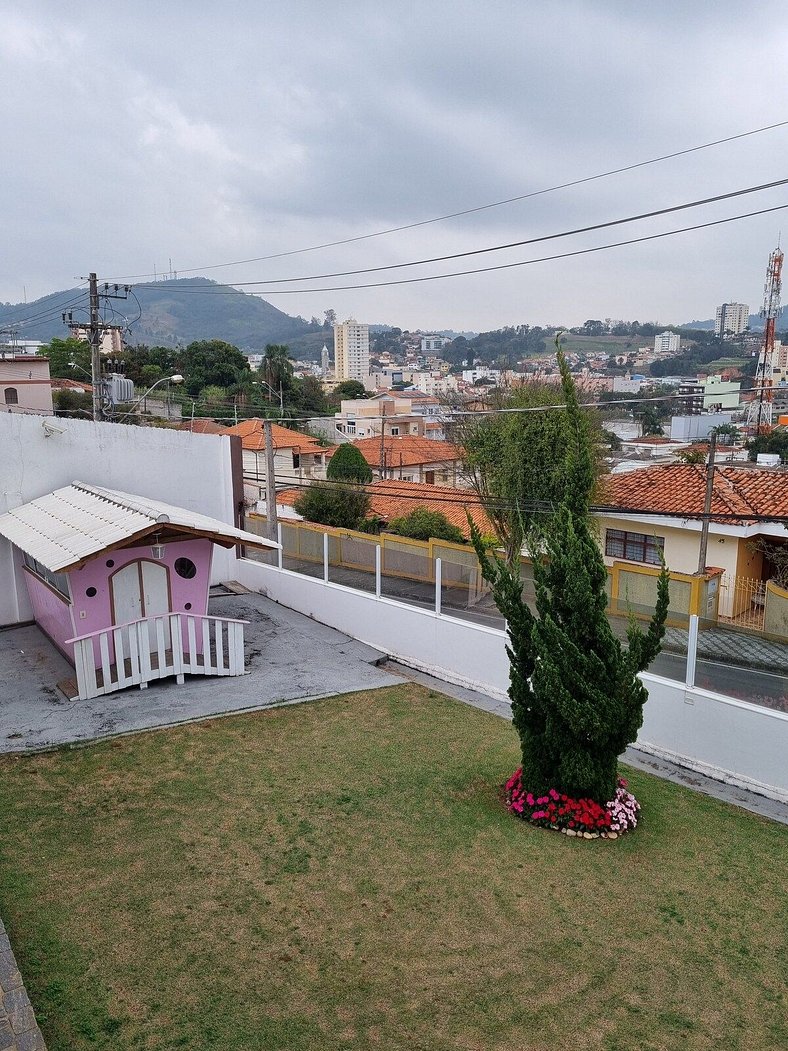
column 277, row 368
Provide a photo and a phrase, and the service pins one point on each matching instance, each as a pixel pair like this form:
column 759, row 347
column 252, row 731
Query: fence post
column 438, row 579
column 325, row 558
column 280, row 552
column 377, row 570
column 692, row 650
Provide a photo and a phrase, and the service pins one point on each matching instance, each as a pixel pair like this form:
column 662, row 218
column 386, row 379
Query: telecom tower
column 759, row 413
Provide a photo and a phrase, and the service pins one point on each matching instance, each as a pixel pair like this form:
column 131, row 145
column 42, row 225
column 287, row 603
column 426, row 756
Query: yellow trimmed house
column 665, row 502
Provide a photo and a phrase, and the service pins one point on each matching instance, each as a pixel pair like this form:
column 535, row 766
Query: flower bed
column 574, row 817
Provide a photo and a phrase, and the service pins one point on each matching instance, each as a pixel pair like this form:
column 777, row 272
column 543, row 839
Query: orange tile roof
column 252, row 435
column 680, row 489
column 392, row 499
column 67, row 384
column 202, row 426
column 407, row 450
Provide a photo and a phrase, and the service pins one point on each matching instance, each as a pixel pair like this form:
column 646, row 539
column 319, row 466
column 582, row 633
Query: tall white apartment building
column 731, row 318
column 667, row 343
column 351, row 351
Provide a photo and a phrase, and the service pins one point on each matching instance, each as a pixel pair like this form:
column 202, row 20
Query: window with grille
column 636, row 547
column 11, row 396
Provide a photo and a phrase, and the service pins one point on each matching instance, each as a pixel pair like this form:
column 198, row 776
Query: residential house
column 656, row 517
column 413, row 459
column 365, row 417
column 297, row 457
column 25, row 384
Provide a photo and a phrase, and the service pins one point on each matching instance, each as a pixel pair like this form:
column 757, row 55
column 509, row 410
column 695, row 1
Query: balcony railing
column 141, row 651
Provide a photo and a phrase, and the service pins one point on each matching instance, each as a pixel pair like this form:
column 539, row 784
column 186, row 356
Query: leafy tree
column 73, row 403
column 691, row 456
column 61, row 352
column 149, row 374
column 338, row 504
column 775, row 441
column 649, row 419
column 212, row 402
column 331, row 318
column 611, row 439
column 349, row 389
column 307, row 395
column 211, row 363
column 277, row 368
column 348, row 465
column 727, row 434
column 518, row 459
column 576, row 697
column 423, row 524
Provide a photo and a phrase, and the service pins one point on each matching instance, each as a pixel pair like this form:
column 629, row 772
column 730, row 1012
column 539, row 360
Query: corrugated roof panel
column 62, row 528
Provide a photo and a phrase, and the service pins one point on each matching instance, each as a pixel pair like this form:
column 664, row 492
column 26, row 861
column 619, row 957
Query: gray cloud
column 207, row 134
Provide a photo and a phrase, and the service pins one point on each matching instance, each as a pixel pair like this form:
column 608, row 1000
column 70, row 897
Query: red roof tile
column 407, row 450
column 680, row 490
column 252, row 435
column 202, row 426
column 392, row 499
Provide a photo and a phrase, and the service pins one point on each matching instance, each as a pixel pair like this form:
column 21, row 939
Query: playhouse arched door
column 140, row 589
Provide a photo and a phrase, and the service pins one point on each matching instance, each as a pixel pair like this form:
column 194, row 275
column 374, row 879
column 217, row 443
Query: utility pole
column 270, row 484
column 94, row 338
column 382, row 466
column 704, row 532
column 94, row 333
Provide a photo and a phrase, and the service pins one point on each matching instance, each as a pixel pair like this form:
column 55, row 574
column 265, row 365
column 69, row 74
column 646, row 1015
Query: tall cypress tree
column 576, row 699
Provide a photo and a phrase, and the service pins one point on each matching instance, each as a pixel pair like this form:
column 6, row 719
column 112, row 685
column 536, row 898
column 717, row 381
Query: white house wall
column 190, row 470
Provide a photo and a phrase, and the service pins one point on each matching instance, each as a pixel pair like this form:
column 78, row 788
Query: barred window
column 636, row 547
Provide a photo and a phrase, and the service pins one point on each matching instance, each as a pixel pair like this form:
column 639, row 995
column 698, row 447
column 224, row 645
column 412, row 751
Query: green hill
column 173, row 313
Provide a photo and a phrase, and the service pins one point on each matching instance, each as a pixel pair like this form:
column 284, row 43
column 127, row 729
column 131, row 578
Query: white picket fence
column 141, row 651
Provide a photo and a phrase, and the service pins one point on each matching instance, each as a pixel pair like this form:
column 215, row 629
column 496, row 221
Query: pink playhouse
column 120, row 585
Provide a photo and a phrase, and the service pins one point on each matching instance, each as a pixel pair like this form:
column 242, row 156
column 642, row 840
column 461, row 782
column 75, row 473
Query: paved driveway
column 289, row 657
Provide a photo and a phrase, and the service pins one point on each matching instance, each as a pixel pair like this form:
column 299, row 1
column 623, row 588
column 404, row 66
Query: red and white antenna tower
column 759, row 413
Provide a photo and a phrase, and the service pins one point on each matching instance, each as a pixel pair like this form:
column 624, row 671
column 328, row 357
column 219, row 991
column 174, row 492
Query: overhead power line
column 521, row 244
column 477, row 208
column 483, row 269
column 532, row 506
column 52, row 310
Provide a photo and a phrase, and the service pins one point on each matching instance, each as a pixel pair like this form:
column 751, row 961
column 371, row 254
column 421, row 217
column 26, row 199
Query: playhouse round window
column 110, row 563
column 90, row 592
column 185, row 568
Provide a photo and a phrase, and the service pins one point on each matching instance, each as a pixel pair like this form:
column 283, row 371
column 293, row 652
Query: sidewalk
column 732, row 647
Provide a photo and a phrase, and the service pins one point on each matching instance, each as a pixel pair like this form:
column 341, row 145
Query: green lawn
column 342, row 875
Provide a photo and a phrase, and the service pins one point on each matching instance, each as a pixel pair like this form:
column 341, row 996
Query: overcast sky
column 208, row 133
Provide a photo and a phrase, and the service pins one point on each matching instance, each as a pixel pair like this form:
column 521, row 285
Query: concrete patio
column 288, row 658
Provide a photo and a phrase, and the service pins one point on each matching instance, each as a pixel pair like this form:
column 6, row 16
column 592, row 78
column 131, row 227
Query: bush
column 423, row 524
column 348, row 465
column 336, row 504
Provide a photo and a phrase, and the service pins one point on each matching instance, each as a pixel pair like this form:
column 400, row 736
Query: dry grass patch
column 342, row 875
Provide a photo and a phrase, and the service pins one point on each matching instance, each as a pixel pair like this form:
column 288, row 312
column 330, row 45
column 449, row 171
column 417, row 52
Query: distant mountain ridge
column 173, row 312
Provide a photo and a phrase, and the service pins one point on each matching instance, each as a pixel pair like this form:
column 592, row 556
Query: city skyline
column 130, row 156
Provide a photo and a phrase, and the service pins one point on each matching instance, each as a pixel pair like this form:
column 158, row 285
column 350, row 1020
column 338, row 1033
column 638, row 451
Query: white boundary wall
column 730, row 740
column 190, row 470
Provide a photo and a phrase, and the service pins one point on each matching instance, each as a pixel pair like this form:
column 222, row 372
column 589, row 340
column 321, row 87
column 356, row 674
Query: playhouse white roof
column 64, row 528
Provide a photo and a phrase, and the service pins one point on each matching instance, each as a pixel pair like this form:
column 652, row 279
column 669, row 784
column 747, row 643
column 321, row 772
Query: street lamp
column 177, row 378
column 276, row 394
